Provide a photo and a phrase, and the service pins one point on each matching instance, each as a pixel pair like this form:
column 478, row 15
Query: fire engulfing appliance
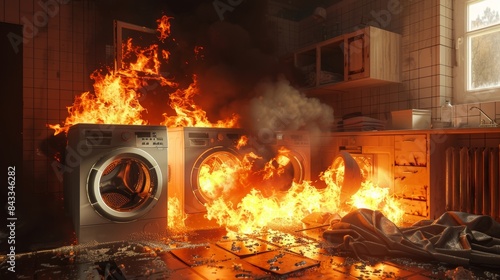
column 197, row 153
column 116, row 180
column 295, row 148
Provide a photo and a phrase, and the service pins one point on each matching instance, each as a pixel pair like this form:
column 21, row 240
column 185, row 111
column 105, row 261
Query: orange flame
column 377, row 198
column 115, row 102
column 242, row 142
column 188, row 114
column 256, row 211
column 164, row 27
column 116, row 96
column 276, row 166
column 175, row 218
column 164, row 30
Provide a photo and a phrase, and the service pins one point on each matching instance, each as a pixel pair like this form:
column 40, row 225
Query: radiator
column 472, row 183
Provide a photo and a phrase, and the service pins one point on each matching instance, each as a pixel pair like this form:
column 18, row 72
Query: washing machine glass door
column 286, row 168
column 293, row 171
column 215, row 174
column 125, row 184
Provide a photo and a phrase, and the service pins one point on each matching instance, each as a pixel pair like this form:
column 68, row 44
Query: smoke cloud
column 279, row 106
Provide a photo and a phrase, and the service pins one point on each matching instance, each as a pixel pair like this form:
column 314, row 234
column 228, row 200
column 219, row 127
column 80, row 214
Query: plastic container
column 447, row 114
column 411, row 119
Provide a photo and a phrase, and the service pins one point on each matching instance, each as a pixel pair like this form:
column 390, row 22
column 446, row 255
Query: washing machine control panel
column 150, row 139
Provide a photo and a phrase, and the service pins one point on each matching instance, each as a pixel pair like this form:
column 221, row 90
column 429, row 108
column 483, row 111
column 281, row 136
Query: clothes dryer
column 115, row 177
column 295, row 147
column 194, row 151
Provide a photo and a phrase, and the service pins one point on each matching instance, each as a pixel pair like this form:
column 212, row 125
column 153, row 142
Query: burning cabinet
column 366, row 57
column 399, row 162
column 411, row 177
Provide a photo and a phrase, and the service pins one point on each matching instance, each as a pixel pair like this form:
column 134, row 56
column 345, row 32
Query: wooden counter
column 435, row 145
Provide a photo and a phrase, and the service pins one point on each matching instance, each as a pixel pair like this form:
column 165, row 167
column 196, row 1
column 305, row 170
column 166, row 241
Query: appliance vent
column 472, row 180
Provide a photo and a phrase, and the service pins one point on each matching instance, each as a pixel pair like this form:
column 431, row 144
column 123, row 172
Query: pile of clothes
column 455, row 238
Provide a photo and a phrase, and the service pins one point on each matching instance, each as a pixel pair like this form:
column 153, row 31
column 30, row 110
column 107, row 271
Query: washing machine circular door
column 125, row 184
column 214, row 174
column 292, row 170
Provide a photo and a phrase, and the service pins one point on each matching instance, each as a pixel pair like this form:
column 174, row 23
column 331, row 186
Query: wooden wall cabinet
column 366, row 57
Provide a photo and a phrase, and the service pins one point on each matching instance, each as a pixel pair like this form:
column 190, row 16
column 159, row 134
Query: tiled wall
column 426, row 27
column 56, row 68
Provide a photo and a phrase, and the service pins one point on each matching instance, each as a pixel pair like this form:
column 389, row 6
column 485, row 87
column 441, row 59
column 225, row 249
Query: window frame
column 462, row 95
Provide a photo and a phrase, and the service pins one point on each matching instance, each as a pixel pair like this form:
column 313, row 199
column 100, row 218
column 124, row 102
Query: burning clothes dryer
column 203, row 163
column 115, row 178
column 291, row 151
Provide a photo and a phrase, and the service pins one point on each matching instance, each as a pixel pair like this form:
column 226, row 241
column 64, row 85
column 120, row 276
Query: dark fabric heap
column 455, row 238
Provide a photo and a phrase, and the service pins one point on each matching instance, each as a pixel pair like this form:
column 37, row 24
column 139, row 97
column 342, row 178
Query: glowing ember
column 198, row 51
column 188, row 114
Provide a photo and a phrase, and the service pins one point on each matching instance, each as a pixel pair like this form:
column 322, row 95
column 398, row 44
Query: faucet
column 492, row 123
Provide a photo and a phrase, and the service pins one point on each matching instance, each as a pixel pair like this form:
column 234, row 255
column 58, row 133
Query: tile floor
column 215, row 253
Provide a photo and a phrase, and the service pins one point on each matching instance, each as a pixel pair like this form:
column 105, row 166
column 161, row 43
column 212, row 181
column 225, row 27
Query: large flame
column 116, row 96
column 115, row 101
column 256, row 211
column 188, row 114
column 374, row 197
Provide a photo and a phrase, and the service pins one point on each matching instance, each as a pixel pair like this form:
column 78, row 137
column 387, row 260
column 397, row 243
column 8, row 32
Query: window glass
column 484, row 63
column 482, row 14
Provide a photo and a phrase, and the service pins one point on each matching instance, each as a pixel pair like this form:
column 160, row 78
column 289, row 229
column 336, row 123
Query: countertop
column 464, row 130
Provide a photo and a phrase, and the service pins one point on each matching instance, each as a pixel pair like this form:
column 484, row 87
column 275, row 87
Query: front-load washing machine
column 295, row 147
column 194, row 152
column 115, row 177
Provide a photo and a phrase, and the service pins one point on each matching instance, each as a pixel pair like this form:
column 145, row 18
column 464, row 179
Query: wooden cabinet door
column 357, row 56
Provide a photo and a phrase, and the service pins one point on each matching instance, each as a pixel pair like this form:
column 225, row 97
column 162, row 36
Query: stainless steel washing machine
column 115, row 177
column 195, row 150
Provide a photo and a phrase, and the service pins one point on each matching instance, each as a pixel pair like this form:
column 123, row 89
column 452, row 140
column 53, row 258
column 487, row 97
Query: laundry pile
column 455, row 238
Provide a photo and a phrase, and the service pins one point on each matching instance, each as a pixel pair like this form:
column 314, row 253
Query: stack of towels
column 359, row 123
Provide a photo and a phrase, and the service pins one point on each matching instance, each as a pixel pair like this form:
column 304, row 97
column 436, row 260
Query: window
column 477, row 29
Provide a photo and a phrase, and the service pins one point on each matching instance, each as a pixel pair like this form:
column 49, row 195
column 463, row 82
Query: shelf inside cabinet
column 364, row 58
column 305, row 62
column 331, row 62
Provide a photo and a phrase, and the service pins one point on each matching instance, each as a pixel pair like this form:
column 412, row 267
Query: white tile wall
column 426, row 27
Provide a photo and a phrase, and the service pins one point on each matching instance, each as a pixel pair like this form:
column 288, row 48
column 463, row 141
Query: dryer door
column 294, row 171
column 125, row 184
column 288, row 168
column 215, row 175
